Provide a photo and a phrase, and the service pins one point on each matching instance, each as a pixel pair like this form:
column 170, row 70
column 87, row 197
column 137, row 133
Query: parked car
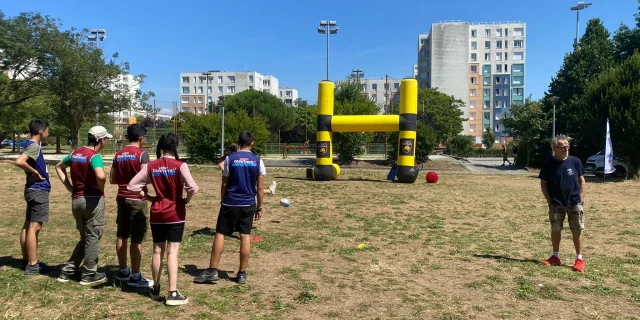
column 9, row 143
column 595, row 165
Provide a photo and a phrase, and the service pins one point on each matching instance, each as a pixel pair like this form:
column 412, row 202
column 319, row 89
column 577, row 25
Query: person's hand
column 36, row 177
column 258, row 214
column 186, row 200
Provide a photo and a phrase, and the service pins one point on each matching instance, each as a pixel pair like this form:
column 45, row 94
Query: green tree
column 304, row 127
column 529, row 124
column 460, row 145
column 278, row 115
column 426, row 141
column 488, row 138
column 350, row 99
column 614, row 95
column 627, row 41
column 202, row 134
column 441, row 112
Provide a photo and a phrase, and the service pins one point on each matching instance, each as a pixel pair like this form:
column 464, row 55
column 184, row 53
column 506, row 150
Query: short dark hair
column 91, row 141
column 233, row 147
column 36, row 125
column 169, row 142
column 245, row 139
column 135, row 131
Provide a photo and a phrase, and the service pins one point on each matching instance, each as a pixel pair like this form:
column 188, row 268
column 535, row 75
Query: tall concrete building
column 482, row 64
column 196, row 89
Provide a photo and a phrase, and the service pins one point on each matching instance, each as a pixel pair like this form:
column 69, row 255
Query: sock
column 579, row 256
column 556, row 254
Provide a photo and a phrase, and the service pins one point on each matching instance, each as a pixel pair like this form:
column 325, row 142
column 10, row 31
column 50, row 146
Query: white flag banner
column 608, row 153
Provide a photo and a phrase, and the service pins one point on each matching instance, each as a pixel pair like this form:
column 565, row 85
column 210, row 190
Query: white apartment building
column 482, row 64
column 196, row 88
column 131, row 83
column 385, row 92
column 415, row 71
column 289, row 96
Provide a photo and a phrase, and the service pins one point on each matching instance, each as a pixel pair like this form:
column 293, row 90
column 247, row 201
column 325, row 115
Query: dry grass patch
column 468, row 247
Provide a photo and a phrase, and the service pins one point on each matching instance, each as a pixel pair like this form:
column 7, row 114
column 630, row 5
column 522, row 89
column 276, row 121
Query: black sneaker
column 207, row 276
column 32, row 270
column 242, row 277
column 66, row 277
column 176, row 298
column 140, row 282
column 123, row 276
column 96, row 278
column 154, row 294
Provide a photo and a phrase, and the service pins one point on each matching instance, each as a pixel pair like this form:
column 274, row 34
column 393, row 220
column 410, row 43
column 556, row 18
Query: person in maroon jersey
column 132, row 209
column 87, row 204
column 169, row 177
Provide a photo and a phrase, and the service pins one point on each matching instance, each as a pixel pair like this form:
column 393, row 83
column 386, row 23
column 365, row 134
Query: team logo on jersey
column 78, row 158
column 406, row 147
column 570, row 172
column 126, row 156
column 244, row 162
column 163, row 172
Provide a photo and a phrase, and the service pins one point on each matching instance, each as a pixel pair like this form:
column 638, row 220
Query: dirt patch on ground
column 468, row 247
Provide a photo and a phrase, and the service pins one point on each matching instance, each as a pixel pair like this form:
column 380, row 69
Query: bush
column 460, row 145
column 426, row 141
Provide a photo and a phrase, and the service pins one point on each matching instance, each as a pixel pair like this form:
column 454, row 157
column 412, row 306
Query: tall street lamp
column 554, row 100
column 97, row 35
column 358, row 73
column 222, row 140
column 327, row 27
column 207, row 74
column 580, row 6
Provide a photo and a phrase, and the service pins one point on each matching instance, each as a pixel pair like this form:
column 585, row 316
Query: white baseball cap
column 99, row 132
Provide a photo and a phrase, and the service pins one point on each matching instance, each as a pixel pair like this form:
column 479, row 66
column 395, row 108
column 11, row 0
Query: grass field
column 468, row 247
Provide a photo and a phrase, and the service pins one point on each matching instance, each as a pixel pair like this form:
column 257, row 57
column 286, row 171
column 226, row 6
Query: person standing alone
column 563, row 186
column 36, row 194
column 87, row 205
column 132, row 209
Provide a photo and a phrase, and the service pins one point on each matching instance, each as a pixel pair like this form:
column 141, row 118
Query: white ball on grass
column 285, row 202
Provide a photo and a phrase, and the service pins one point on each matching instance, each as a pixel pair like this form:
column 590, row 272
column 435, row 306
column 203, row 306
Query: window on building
column 474, row 80
column 497, row 90
column 486, row 115
column 386, row 86
column 472, row 127
column 424, row 64
column 474, row 57
column 231, row 79
column 195, row 79
column 374, row 86
column 499, row 44
column 265, row 90
column 487, row 92
column 200, row 90
column 209, row 99
column 220, row 89
column 498, row 68
column 474, row 45
column 364, row 87
column 472, row 115
column 374, row 98
column 209, row 90
column 425, row 53
column 474, row 33
column 487, row 57
column 506, row 67
column 506, row 32
column 396, row 85
column 186, row 109
column 517, row 68
column 487, row 33
column 472, row 92
column 518, row 80
column 200, row 110
column 518, row 32
column 250, row 78
column 518, row 43
column 266, row 83
column 496, row 104
column 487, row 105
column 486, row 68
column 506, row 44
column 185, row 79
column 499, row 56
column 472, row 104
column 518, row 55
column 498, row 32
column 474, row 69
column 506, row 56
column 199, row 99
column 424, row 41
column 185, row 99
column 289, row 93
column 487, row 81
column 517, row 102
column 517, row 91
column 219, row 79
column 487, row 44
column 231, row 89
column 201, row 79
column 185, row 89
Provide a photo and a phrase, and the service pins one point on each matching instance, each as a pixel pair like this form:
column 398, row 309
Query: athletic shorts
column 232, row 219
column 132, row 219
column 37, row 205
column 575, row 216
column 163, row 232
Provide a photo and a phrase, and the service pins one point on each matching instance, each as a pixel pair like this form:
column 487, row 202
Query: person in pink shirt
column 169, row 177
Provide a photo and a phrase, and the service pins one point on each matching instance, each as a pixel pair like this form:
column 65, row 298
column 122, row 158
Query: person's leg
column 556, row 236
column 576, row 223
column 172, row 265
column 245, row 251
column 224, row 225
column 156, row 262
column 216, row 250
column 77, row 208
column 93, row 229
column 122, row 232
column 23, row 241
column 31, row 242
column 577, row 242
column 138, row 232
column 135, row 251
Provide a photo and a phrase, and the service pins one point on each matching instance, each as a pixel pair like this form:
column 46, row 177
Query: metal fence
column 273, row 149
column 119, row 140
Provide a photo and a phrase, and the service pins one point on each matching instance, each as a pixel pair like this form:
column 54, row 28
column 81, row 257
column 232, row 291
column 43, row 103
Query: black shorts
column 132, row 219
column 171, row 232
column 232, row 219
column 37, row 205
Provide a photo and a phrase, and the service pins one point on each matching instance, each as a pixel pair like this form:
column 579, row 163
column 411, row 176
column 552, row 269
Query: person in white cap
column 87, row 205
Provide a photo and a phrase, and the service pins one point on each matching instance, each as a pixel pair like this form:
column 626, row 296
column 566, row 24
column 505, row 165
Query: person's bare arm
column 223, row 188
column 101, row 178
column 260, row 197
column 187, row 181
column 545, row 191
column 113, row 174
column 221, row 165
column 583, row 185
column 22, row 163
column 61, row 171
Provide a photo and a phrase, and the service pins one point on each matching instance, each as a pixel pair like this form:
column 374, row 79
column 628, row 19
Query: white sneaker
column 272, row 187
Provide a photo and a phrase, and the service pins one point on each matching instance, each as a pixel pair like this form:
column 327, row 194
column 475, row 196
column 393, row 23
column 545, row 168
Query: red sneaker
column 578, row 265
column 552, row 261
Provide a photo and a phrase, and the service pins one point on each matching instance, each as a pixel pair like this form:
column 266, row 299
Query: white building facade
column 289, row 96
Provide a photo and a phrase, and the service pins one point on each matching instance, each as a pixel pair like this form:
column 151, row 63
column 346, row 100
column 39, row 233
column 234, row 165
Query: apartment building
column 385, row 92
column 132, row 86
column 197, row 89
column 482, row 64
column 289, row 96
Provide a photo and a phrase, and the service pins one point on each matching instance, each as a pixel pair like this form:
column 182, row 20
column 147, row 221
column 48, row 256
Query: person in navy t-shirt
column 242, row 183
column 563, row 186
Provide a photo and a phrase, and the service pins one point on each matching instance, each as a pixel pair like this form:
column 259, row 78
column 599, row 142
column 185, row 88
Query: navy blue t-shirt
column 242, row 169
column 563, row 179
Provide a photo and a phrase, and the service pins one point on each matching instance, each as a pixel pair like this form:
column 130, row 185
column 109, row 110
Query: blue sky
column 163, row 38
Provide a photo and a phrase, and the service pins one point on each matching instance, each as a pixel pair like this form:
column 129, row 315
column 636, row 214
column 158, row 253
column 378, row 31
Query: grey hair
column 554, row 142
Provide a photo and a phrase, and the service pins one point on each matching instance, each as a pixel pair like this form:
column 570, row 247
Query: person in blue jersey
column 36, row 194
column 242, row 182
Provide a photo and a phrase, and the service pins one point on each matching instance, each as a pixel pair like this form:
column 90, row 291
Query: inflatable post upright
column 407, row 171
column 324, row 169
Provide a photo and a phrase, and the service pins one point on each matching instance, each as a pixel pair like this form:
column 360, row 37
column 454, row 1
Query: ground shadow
column 499, row 167
column 194, row 271
column 596, row 179
column 206, row 231
column 503, row 258
column 45, row 270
